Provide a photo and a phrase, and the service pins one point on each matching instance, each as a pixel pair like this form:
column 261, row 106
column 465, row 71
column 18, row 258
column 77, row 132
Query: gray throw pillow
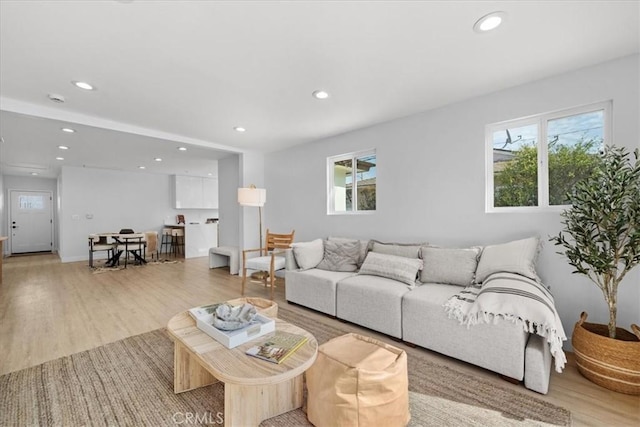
column 308, row 254
column 408, row 250
column 448, row 265
column 364, row 245
column 517, row 257
column 402, row 269
column 340, row 256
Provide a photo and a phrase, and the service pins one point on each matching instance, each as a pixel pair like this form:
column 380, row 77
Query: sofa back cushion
column 308, row 254
column 407, row 250
column 340, row 255
column 448, row 265
column 400, row 268
column 517, row 257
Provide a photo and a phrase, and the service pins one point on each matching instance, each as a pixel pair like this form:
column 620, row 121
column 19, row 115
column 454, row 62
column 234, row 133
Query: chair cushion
column 263, row 263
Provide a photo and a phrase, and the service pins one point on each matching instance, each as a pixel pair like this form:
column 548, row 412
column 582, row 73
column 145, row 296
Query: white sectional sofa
column 380, row 288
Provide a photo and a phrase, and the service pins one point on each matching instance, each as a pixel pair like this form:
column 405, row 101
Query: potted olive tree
column 601, row 240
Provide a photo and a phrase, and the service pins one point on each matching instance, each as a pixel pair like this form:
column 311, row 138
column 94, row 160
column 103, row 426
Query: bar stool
column 177, row 241
column 167, row 240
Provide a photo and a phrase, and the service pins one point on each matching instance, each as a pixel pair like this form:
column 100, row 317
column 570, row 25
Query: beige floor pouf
column 358, row 381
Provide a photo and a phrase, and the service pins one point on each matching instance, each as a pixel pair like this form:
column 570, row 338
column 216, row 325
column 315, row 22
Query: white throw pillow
column 448, row 265
column 308, row 254
column 517, row 257
column 408, row 250
column 394, row 267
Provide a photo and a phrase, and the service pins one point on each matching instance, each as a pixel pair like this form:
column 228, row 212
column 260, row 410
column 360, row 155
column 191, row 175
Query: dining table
column 128, row 243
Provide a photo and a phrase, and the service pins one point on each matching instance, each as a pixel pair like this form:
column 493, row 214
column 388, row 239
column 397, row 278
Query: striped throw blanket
column 514, row 298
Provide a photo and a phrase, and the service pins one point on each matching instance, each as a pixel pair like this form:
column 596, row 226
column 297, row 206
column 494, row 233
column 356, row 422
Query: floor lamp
column 252, row 196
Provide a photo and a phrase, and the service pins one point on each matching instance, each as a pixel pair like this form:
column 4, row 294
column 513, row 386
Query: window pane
column 342, row 185
column 31, row 202
column 366, row 183
column 515, row 166
column 574, row 145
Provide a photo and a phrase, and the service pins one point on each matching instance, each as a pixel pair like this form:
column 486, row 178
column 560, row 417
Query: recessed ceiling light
column 59, row 158
column 158, row 159
column 489, row 22
column 34, row 173
column 182, row 149
column 68, row 130
column 320, row 94
column 83, row 85
column 142, row 167
column 239, row 129
column 63, row 147
column 210, row 174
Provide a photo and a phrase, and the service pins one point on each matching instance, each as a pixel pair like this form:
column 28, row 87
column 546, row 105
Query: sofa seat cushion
column 314, row 288
column 498, row 347
column 373, row 302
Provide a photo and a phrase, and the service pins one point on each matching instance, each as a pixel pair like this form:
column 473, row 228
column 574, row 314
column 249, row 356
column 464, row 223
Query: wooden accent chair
column 270, row 259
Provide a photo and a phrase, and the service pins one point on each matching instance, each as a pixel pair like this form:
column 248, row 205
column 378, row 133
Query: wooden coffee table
column 254, row 390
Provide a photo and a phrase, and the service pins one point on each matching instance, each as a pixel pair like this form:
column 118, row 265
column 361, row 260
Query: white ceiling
column 172, row 73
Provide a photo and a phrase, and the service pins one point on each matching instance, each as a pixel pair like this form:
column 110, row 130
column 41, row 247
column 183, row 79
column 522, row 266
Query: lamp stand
column 260, row 275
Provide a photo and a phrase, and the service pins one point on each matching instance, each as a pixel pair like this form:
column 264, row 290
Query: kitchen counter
column 198, row 238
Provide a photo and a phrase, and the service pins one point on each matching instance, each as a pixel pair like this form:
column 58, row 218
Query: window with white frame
column 351, row 183
column 532, row 163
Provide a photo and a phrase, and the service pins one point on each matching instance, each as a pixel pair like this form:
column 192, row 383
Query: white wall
column 30, row 183
column 3, row 220
column 431, row 180
column 228, row 182
column 117, row 200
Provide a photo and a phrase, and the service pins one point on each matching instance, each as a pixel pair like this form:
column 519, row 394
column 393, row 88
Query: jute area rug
column 130, row 383
column 104, row 269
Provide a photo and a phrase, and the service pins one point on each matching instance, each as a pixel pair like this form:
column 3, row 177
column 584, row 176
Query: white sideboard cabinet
column 192, row 192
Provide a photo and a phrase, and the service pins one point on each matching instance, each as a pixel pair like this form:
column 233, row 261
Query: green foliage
column 367, row 198
column 601, row 229
column 517, row 183
column 567, row 166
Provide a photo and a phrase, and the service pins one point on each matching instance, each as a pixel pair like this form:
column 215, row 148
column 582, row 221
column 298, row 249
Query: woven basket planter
column 611, row 363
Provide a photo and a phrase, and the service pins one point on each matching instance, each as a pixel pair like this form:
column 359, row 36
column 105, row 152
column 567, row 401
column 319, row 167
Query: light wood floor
column 49, row 309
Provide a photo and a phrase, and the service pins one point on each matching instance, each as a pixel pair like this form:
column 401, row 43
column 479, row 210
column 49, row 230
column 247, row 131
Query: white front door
column 31, row 221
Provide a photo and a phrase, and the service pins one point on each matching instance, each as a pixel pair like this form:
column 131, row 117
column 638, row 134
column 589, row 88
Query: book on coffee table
column 277, row 348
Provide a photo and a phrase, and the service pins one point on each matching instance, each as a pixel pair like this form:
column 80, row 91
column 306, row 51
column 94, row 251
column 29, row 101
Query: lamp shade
column 252, row 196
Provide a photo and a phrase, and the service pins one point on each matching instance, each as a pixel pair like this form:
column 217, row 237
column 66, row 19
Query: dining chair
column 131, row 243
column 270, row 258
column 151, row 243
column 99, row 243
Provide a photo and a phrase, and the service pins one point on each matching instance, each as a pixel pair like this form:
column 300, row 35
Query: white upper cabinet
column 196, row 193
column 210, row 193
